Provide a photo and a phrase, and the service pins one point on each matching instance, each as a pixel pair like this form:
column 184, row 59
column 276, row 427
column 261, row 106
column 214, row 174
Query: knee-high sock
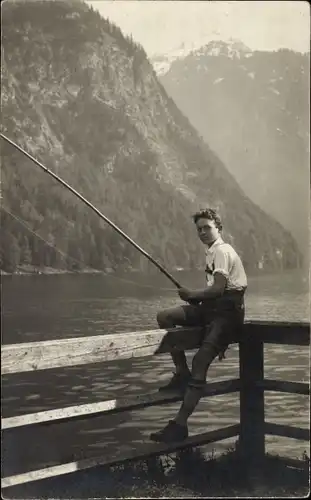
column 200, row 364
column 191, row 399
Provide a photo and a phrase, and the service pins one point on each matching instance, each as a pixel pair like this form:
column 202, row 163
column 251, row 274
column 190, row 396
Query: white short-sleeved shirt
column 222, row 258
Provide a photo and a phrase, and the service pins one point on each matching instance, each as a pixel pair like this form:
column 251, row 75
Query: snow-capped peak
column 162, row 62
column 232, row 48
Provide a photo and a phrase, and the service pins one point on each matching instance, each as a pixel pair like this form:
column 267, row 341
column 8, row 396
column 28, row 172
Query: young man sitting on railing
column 219, row 309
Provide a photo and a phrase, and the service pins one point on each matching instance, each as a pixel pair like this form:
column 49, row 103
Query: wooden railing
column 251, row 385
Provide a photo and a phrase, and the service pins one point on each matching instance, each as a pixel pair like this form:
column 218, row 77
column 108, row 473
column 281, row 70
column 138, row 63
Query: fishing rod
column 102, row 216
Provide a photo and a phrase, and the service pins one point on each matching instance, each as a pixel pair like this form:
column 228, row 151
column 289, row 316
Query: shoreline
column 33, row 270
column 46, row 271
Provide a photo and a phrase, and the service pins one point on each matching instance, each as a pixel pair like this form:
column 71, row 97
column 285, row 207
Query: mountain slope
column 85, row 100
column 252, row 109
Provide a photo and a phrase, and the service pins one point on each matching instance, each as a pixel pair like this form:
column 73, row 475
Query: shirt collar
column 216, row 243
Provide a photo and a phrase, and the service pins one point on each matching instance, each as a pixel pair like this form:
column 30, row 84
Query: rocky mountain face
column 85, row 101
column 253, row 110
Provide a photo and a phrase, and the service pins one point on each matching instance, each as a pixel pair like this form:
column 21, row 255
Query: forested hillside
column 84, row 100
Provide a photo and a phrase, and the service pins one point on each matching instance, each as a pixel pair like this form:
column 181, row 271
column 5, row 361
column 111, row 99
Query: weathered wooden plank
column 285, row 386
column 275, row 332
column 144, row 451
column 114, row 405
column 32, row 356
column 287, row 431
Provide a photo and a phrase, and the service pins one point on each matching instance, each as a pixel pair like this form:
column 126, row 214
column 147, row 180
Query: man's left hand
column 185, row 294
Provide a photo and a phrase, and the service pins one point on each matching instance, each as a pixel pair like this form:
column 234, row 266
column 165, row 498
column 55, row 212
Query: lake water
column 43, row 307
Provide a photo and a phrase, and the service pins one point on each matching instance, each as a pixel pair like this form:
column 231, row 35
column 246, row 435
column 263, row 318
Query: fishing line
column 39, row 236
column 79, row 261
column 90, row 205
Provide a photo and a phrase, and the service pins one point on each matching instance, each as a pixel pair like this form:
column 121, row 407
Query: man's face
column 207, row 231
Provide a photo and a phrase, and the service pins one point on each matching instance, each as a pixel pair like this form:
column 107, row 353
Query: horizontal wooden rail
column 287, row 431
column 294, row 463
column 32, row 356
column 146, row 451
column 284, row 386
column 277, row 332
column 114, row 406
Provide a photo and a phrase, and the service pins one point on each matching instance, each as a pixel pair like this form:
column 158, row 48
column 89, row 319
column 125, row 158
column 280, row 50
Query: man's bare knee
column 164, row 319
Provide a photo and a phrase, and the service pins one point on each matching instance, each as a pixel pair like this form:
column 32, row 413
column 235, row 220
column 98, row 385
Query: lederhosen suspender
column 208, row 270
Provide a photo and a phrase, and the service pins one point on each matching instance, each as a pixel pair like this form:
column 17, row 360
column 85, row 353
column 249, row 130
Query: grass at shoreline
column 191, row 473
column 188, row 473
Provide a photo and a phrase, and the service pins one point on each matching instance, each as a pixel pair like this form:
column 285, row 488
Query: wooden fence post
column 252, row 405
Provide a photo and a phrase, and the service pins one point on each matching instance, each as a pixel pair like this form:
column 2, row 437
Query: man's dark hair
column 210, row 214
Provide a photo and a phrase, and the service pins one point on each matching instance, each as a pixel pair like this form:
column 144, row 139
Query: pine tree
column 11, row 252
column 25, row 252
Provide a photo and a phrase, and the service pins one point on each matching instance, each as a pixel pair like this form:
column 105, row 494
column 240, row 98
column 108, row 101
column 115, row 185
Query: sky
column 162, row 26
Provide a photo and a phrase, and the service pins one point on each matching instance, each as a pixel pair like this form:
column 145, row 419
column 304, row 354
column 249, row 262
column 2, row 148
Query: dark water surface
column 37, row 308
column 44, row 307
